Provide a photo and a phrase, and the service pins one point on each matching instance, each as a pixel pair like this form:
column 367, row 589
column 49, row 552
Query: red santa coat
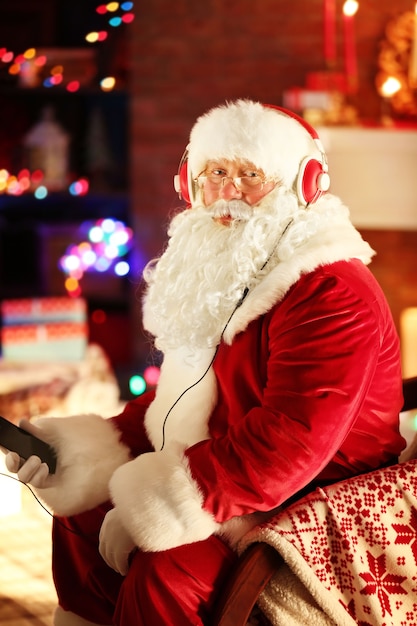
column 300, row 395
column 309, row 393
column 305, row 388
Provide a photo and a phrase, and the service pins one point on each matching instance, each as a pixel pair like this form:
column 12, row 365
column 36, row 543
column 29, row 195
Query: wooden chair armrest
column 254, row 570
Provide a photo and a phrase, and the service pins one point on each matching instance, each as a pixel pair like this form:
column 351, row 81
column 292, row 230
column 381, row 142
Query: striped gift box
column 44, row 329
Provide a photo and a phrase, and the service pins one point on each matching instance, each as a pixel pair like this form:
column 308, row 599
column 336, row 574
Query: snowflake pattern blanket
column 349, row 553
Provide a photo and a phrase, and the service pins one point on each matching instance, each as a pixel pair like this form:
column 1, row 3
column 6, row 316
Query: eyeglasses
column 245, row 184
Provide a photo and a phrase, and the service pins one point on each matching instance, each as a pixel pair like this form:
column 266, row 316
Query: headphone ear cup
column 312, row 182
column 181, row 182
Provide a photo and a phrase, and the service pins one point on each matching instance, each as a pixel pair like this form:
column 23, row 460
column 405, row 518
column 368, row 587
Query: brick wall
column 189, row 55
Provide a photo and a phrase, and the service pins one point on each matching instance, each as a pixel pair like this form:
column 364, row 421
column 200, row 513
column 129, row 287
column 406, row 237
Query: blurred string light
column 139, row 383
column 30, row 62
column 125, row 16
column 21, row 62
column 96, row 36
column 104, row 249
column 25, row 182
column 107, row 83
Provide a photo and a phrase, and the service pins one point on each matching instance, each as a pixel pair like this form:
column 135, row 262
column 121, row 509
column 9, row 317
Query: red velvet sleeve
column 324, row 346
column 131, row 424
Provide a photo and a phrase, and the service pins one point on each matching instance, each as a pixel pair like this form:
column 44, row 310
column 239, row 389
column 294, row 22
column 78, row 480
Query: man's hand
column 31, row 471
column 115, row 543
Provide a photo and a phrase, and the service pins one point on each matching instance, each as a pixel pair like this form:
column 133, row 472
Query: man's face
column 233, row 180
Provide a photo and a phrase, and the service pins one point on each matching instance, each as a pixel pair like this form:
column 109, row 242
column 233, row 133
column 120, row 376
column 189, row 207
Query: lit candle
column 412, row 72
column 349, row 9
column 330, row 32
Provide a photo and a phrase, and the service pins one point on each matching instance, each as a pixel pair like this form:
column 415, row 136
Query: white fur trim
column 88, row 451
column 181, row 407
column 235, row 528
column 272, row 141
column 68, row 618
column 159, row 501
column 328, row 237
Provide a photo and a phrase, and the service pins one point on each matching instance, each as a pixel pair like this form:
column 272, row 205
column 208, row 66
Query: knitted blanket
column 349, row 551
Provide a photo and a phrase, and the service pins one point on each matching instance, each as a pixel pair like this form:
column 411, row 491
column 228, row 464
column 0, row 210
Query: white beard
column 195, row 286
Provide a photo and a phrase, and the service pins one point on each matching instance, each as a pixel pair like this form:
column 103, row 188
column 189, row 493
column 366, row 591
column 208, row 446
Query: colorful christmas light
column 26, row 63
column 105, row 247
column 107, row 83
column 112, row 7
column 114, row 21
column 26, row 181
column 139, row 383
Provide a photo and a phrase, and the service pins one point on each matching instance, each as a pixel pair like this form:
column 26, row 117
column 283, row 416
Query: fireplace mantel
column 374, row 171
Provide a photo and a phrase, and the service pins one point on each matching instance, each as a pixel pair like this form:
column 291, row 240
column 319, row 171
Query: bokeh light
column 152, row 374
column 137, row 385
column 105, row 248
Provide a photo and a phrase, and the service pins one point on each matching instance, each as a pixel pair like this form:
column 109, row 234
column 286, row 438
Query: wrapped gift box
column 41, row 310
column 298, row 99
column 44, row 329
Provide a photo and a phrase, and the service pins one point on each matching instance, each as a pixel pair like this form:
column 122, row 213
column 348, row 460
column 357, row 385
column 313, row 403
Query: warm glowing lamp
column 387, row 90
column 390, row 87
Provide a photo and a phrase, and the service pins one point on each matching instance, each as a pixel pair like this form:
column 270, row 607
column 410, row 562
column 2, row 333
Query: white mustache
column 236, row 209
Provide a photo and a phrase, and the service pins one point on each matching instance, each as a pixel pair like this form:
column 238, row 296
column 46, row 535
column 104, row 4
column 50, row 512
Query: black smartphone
column 25, row 444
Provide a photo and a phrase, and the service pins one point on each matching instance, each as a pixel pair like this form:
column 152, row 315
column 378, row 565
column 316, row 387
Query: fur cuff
column 88, row 451
column 159, row 501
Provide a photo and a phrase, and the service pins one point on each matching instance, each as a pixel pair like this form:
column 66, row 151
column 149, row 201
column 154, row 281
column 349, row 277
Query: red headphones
column 312, row 180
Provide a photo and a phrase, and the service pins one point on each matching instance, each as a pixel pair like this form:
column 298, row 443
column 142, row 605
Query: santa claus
column 280, row 372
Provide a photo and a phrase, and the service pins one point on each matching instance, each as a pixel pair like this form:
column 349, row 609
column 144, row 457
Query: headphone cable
column 237, row 306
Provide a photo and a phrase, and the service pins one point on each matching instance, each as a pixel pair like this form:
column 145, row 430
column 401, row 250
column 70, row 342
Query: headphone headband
column 311, row 131
column 312, row 179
